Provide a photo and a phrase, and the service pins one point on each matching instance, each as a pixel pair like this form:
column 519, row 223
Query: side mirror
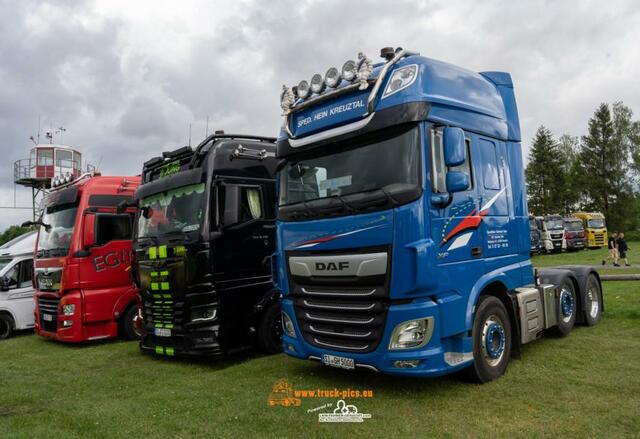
column 4, row 284
column 27, row 224
column 232, row 205
column 88, row 232
column 457, row 181
column 455, row 147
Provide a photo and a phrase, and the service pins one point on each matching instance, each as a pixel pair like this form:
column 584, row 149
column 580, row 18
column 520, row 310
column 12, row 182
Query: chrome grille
column 49, row 306
column 344, row 319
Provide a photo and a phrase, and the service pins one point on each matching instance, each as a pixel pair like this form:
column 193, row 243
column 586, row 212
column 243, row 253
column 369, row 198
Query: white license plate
column 47, row 317
column 162, row 332
column 335, row 361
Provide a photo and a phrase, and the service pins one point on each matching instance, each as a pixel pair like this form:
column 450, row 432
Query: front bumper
column 438, row 357
column 196, row 342
column 575, row 243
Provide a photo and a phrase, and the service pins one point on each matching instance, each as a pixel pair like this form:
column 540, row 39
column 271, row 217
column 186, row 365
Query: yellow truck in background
column 595, row 229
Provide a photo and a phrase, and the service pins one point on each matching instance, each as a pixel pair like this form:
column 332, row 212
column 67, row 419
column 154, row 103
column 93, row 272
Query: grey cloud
column 123, row 102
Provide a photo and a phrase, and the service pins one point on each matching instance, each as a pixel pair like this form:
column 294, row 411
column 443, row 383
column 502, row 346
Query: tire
column 593, row 301
column 7, row 326
column 269, row 335
column 567, row 308
column 126, row 326
column 491, row 340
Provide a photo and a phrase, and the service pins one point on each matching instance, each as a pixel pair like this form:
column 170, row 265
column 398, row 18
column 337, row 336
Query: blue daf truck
column 402, row 225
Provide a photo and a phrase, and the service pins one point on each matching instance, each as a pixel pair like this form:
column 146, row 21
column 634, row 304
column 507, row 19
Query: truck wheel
column 6, row 326
column 127, row 325
column 567, row 304
column 593, row 301
column 491, row 340
column 269, row 336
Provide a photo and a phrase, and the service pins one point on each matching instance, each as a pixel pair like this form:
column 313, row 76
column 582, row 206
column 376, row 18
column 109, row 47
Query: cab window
column 112, row 228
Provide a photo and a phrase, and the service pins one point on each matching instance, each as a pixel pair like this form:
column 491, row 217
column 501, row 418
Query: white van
column 16, row 288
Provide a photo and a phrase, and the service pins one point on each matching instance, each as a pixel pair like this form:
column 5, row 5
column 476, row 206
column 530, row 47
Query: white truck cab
column 16, row 288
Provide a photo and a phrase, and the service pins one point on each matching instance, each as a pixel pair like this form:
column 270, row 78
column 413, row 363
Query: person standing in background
column 622, row 249
column 612, row 246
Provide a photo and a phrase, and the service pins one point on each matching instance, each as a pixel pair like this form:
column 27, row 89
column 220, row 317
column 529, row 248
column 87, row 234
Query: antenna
column 189, row 134
column 38, row 136
column 60, row 131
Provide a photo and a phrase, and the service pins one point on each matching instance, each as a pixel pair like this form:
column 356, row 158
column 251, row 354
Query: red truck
column 84, row 288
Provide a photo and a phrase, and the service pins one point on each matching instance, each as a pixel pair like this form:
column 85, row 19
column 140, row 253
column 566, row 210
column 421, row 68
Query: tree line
column 596, row 172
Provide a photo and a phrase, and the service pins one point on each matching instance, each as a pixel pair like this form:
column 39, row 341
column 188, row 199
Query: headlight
column 303, row 90
column 204, row 314
column 349, row 70
column 332, row 77
column 401, row 79
column 411, row 334
column 68, row 310
column 317, row 83
column 287, row 325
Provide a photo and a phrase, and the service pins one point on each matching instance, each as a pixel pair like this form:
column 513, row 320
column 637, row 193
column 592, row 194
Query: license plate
column 162, row 332
column 341, row 362
column 47, row 317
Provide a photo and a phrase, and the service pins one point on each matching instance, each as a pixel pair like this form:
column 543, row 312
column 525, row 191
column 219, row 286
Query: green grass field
column 592, row 257
column 583, row 385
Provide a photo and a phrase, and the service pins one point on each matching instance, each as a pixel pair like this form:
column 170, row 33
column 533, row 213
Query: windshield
column 389, row 165
column 573, row 226
column 178, row 210
column 596, row 223
column 557, row 224
column 57, row 230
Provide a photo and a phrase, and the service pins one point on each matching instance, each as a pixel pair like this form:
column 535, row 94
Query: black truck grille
column 341, row 318
column 160, row 311
column 48, row 307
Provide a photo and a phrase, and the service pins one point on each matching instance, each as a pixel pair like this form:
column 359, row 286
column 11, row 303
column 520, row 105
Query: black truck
column 205, row 233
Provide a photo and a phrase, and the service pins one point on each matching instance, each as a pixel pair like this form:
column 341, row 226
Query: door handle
column 476, row 251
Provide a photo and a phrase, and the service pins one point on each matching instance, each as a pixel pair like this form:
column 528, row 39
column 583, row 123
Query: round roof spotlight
column 349, row 70
column 332, row 77
column 303, row 90
column 317, row 83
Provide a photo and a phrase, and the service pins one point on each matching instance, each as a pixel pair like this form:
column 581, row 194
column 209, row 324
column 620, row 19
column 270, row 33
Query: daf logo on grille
column 360, row 265
column 332, row 266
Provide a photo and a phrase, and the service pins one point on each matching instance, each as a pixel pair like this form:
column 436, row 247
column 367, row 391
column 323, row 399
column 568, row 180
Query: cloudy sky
column 126, row 78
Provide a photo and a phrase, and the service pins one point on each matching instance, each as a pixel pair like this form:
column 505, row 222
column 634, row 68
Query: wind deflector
column 183, row 178
column 62, row 196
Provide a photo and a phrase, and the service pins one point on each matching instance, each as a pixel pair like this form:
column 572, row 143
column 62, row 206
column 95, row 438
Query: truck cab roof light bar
column 386, row 53
column 252, row 154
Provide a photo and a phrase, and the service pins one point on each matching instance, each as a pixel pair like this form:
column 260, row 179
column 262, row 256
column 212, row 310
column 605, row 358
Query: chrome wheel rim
column 593, row 296
column 567, row 304
column 493, row 340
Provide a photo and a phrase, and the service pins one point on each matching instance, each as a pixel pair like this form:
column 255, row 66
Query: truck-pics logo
column 332, row 266
column 282, row 394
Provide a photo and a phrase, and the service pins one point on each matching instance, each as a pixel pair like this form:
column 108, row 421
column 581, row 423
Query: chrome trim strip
column 367, row 366
column 354, row 308
column 353, row 322
column 455, row 358
column 338, row 131
column 318, row 293
column 339, row 333
column 359, row 348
